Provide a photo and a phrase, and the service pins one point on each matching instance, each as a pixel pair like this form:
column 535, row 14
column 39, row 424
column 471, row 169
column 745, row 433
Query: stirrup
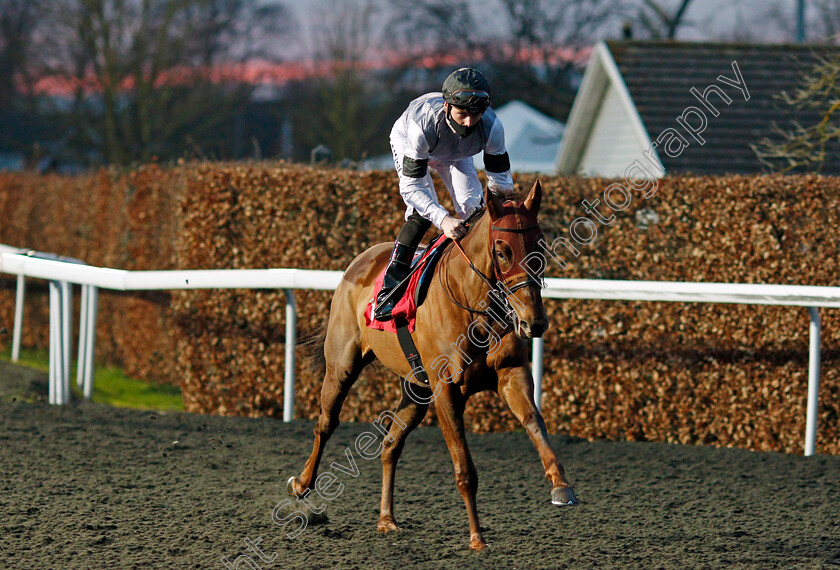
column 383, row 308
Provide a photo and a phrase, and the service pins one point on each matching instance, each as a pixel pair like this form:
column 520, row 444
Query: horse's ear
column 534, row 199
column 494, row 205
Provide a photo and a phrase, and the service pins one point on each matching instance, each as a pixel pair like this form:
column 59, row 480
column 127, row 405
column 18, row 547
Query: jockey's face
column 464, row 117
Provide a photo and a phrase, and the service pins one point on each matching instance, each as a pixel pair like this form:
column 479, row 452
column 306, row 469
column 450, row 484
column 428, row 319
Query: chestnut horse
column 470, row 347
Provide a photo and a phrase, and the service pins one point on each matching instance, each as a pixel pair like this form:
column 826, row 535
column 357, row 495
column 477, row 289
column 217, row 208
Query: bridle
column 526, row 233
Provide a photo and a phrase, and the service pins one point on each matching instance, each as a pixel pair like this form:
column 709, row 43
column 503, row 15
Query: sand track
column 89, row 486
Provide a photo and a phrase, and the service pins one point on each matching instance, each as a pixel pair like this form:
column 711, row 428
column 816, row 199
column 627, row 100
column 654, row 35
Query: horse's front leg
column 516, row 386
column 449, row 406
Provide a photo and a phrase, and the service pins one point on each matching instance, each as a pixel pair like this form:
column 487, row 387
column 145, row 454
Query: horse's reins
column 472, row 265
column 417, row 266
column 507, row 291
column 444, row 267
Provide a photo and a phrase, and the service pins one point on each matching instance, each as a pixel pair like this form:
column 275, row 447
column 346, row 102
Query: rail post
column 289, row 385
column 87, row 339
column 537, row 346
column 19, row 297
column 66, row 331
column 813, row 381
column 59, row 375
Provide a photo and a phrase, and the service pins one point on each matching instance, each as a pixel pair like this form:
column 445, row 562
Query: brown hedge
column 124, row 220
column 725, row 375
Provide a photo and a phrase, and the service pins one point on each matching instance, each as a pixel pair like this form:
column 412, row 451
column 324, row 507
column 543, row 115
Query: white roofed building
column 686, row 107
column 532, row 139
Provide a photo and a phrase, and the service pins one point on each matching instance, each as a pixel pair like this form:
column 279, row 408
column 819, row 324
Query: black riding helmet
column 467, row 89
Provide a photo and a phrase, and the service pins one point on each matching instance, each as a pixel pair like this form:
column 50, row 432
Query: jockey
column 442, row 132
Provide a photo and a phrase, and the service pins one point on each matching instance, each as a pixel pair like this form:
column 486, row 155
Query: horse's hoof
column 290, row 486
column 477, row 543
column 387, row 525
column 563, row 496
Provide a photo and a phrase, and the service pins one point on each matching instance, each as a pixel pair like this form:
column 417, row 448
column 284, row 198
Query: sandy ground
column 90, row 486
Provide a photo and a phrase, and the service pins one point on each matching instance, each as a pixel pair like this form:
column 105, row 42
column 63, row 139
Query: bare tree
column 346, row 32
column 777, row 20
column 655, row 19
column 346, row 106
column 153, row 78
column 527, row 48
column 439, row 26
column 424, row 27
column 806, row 146
column 537, row 54
column 20, row 22
column 17, row 23
column 825, row 26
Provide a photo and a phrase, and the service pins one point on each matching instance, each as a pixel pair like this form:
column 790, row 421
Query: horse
column 461, row 331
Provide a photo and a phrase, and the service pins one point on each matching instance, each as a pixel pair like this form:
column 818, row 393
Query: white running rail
column 15, row 261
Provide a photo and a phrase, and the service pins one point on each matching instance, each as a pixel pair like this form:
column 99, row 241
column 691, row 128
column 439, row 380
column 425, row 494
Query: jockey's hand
column 452, row 228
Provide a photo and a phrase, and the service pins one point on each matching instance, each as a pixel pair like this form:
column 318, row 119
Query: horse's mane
column 474, row 220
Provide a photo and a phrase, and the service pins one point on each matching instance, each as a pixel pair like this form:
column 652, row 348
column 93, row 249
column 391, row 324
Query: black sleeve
column 415, row 168
column 496, row 162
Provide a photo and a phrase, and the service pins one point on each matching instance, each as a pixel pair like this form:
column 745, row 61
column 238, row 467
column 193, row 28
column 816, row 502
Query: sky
column 744, row 20
column 733, row 20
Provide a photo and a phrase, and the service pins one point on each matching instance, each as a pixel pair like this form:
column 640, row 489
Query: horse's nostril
column 538, row 328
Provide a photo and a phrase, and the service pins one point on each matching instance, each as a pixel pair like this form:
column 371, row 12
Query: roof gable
column 697, row 83
column 602, row 84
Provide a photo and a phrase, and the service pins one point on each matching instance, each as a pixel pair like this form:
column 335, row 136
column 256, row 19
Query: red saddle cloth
column 406, row 307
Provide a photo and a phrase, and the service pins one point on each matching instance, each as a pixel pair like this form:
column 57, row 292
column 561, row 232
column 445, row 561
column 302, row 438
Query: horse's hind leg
column 344, row 363
column 517, row 388
column 409, row 415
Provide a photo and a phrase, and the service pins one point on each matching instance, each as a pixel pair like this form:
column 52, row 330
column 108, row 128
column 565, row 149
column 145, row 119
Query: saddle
column 412, row 292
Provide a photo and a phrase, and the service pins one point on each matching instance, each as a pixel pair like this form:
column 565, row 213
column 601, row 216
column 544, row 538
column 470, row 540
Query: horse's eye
column 500, row 255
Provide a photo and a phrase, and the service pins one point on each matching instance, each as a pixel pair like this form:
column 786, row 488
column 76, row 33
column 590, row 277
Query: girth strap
column 410, row 350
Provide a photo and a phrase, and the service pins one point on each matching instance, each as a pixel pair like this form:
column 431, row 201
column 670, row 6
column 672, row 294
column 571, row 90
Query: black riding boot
column 398, row 268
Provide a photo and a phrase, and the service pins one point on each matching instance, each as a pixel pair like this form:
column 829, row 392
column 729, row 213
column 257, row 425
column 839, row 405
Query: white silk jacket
column 422, row 138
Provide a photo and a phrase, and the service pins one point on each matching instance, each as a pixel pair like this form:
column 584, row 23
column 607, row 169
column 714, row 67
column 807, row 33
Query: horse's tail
column 312, row 346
